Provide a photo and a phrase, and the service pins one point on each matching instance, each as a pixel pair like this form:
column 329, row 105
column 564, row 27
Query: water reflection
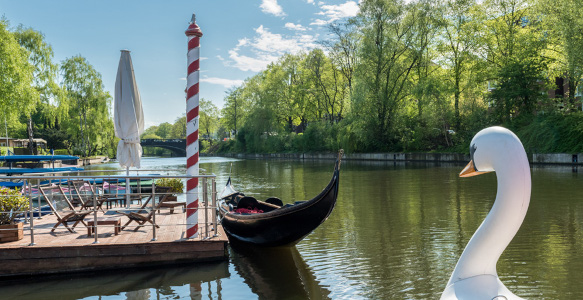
column 276, row 273
column 194, row 280
column 396, row 232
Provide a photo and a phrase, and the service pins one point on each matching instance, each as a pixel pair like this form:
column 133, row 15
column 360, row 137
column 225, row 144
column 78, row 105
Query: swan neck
column 502, row 222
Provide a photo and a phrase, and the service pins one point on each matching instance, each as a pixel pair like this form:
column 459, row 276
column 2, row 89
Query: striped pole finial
column 193, row 33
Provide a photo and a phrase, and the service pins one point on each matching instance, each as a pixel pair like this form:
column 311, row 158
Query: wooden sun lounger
column 144, row 215
column 72, row 216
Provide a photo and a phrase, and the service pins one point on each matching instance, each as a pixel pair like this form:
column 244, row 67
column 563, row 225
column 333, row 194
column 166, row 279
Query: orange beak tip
column 469, row 170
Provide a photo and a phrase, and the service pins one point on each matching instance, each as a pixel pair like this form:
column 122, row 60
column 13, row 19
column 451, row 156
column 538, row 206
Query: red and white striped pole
column 193, row 33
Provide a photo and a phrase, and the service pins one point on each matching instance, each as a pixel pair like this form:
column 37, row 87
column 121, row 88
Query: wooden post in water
column 193, row 33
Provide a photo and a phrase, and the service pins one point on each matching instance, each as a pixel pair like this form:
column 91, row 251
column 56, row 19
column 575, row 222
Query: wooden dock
column 62, row 251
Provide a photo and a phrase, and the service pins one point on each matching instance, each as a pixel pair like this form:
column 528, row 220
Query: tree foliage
column 64, row 104
column 408, row 76
column 562, row 22
column 89, row 103
column 400, row 76
column 17, row 94
column 208, row 119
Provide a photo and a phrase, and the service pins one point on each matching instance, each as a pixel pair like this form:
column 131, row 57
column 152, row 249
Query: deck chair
column 144, row 215
column 86, row 199
column 70, row 217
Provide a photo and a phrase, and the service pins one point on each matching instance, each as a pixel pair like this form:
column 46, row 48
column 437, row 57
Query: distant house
column 22, row 144
column 562, row 89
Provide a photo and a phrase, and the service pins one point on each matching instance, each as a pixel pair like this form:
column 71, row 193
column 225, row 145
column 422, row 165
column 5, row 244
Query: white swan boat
column 493, row 149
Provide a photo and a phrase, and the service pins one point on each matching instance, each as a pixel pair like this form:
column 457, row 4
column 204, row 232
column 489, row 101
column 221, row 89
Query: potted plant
column 175, row 185
column 11, row 203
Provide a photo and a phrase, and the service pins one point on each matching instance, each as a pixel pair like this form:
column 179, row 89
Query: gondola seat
column 248, row 202
column 274, row 201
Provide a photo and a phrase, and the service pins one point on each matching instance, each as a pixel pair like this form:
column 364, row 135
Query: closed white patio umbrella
column 128, row 116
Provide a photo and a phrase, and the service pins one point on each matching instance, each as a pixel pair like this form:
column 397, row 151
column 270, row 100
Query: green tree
column 179, row 128
column 518, row 89
column 332, row 89
column 459, row 43
column 164, row 130
column 209, row 119
column 293, row 91
column 343, row 49
column 17, row 96
column 45, row 73
column 562, row 21
column 513, row 45
column 235, row 109
column 89, row 103
column 388, row 55
column 149, row 132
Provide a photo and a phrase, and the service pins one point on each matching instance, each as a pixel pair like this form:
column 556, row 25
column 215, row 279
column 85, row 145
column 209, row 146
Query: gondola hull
column 284, row 226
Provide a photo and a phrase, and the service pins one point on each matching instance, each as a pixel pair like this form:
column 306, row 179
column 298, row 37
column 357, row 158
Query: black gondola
column 270, row 223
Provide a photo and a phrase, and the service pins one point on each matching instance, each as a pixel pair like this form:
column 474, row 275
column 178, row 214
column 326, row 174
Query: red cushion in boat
column 247, row 211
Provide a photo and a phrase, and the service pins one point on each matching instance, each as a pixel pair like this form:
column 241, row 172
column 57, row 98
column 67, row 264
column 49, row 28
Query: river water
column 395, row 233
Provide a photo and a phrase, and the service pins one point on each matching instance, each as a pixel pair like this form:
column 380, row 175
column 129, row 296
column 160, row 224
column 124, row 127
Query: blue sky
column 240, row 38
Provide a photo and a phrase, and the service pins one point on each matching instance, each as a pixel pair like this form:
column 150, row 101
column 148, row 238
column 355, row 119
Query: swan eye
column 472, row 151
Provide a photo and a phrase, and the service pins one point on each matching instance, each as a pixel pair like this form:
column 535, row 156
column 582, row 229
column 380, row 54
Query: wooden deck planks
column 62, row 251
column 62, row 237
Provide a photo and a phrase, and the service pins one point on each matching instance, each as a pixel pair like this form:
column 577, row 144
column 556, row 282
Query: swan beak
column 470, row 170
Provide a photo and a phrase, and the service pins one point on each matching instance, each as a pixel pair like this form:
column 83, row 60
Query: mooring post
column 193, row 33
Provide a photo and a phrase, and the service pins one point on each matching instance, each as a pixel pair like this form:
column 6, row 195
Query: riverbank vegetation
column 422, row 76
column 414, row 76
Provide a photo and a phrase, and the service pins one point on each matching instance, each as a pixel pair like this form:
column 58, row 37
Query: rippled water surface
column 396, row 233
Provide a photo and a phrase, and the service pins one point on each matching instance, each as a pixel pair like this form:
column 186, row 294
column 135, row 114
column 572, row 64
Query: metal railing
column 33, row 183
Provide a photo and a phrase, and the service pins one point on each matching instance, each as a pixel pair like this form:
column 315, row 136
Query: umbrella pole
column 128, row 188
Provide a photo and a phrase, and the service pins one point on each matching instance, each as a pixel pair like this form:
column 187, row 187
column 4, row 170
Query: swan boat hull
column 278, row 225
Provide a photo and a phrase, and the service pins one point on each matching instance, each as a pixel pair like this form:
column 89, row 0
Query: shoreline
column 533, row 158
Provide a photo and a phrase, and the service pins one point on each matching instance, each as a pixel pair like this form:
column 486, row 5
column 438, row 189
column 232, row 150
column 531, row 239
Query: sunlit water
column 395, row 233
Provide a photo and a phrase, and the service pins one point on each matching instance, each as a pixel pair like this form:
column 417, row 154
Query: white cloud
column 227, row 83
column 267, row 41
column 292, row 26
column 271, row 7
column 336, row 12
column 265, row 47
column 220, row 58
column 247, row 63
column 310, row 1
column 319, row 22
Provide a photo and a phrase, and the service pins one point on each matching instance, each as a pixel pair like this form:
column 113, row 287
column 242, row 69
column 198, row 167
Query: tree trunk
column 31, row 145
column 457, row 100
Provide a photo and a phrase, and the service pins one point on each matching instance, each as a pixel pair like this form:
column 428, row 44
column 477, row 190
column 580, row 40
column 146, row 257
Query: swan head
column 490, row 149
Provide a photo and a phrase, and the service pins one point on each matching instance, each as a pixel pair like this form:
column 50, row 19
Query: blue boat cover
column 15, row 171
column 24, row 158
column 10, row 184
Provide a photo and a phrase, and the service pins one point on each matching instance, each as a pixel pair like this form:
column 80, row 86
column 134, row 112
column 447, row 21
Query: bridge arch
column 177, row 146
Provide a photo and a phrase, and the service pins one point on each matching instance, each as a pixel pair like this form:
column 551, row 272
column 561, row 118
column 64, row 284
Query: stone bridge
column 178, row 146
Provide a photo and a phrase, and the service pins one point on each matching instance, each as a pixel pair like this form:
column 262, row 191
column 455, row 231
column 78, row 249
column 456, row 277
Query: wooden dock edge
column 39, row 260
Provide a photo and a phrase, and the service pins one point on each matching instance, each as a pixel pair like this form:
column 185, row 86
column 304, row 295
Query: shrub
column 11, row 201
column 174, row 183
